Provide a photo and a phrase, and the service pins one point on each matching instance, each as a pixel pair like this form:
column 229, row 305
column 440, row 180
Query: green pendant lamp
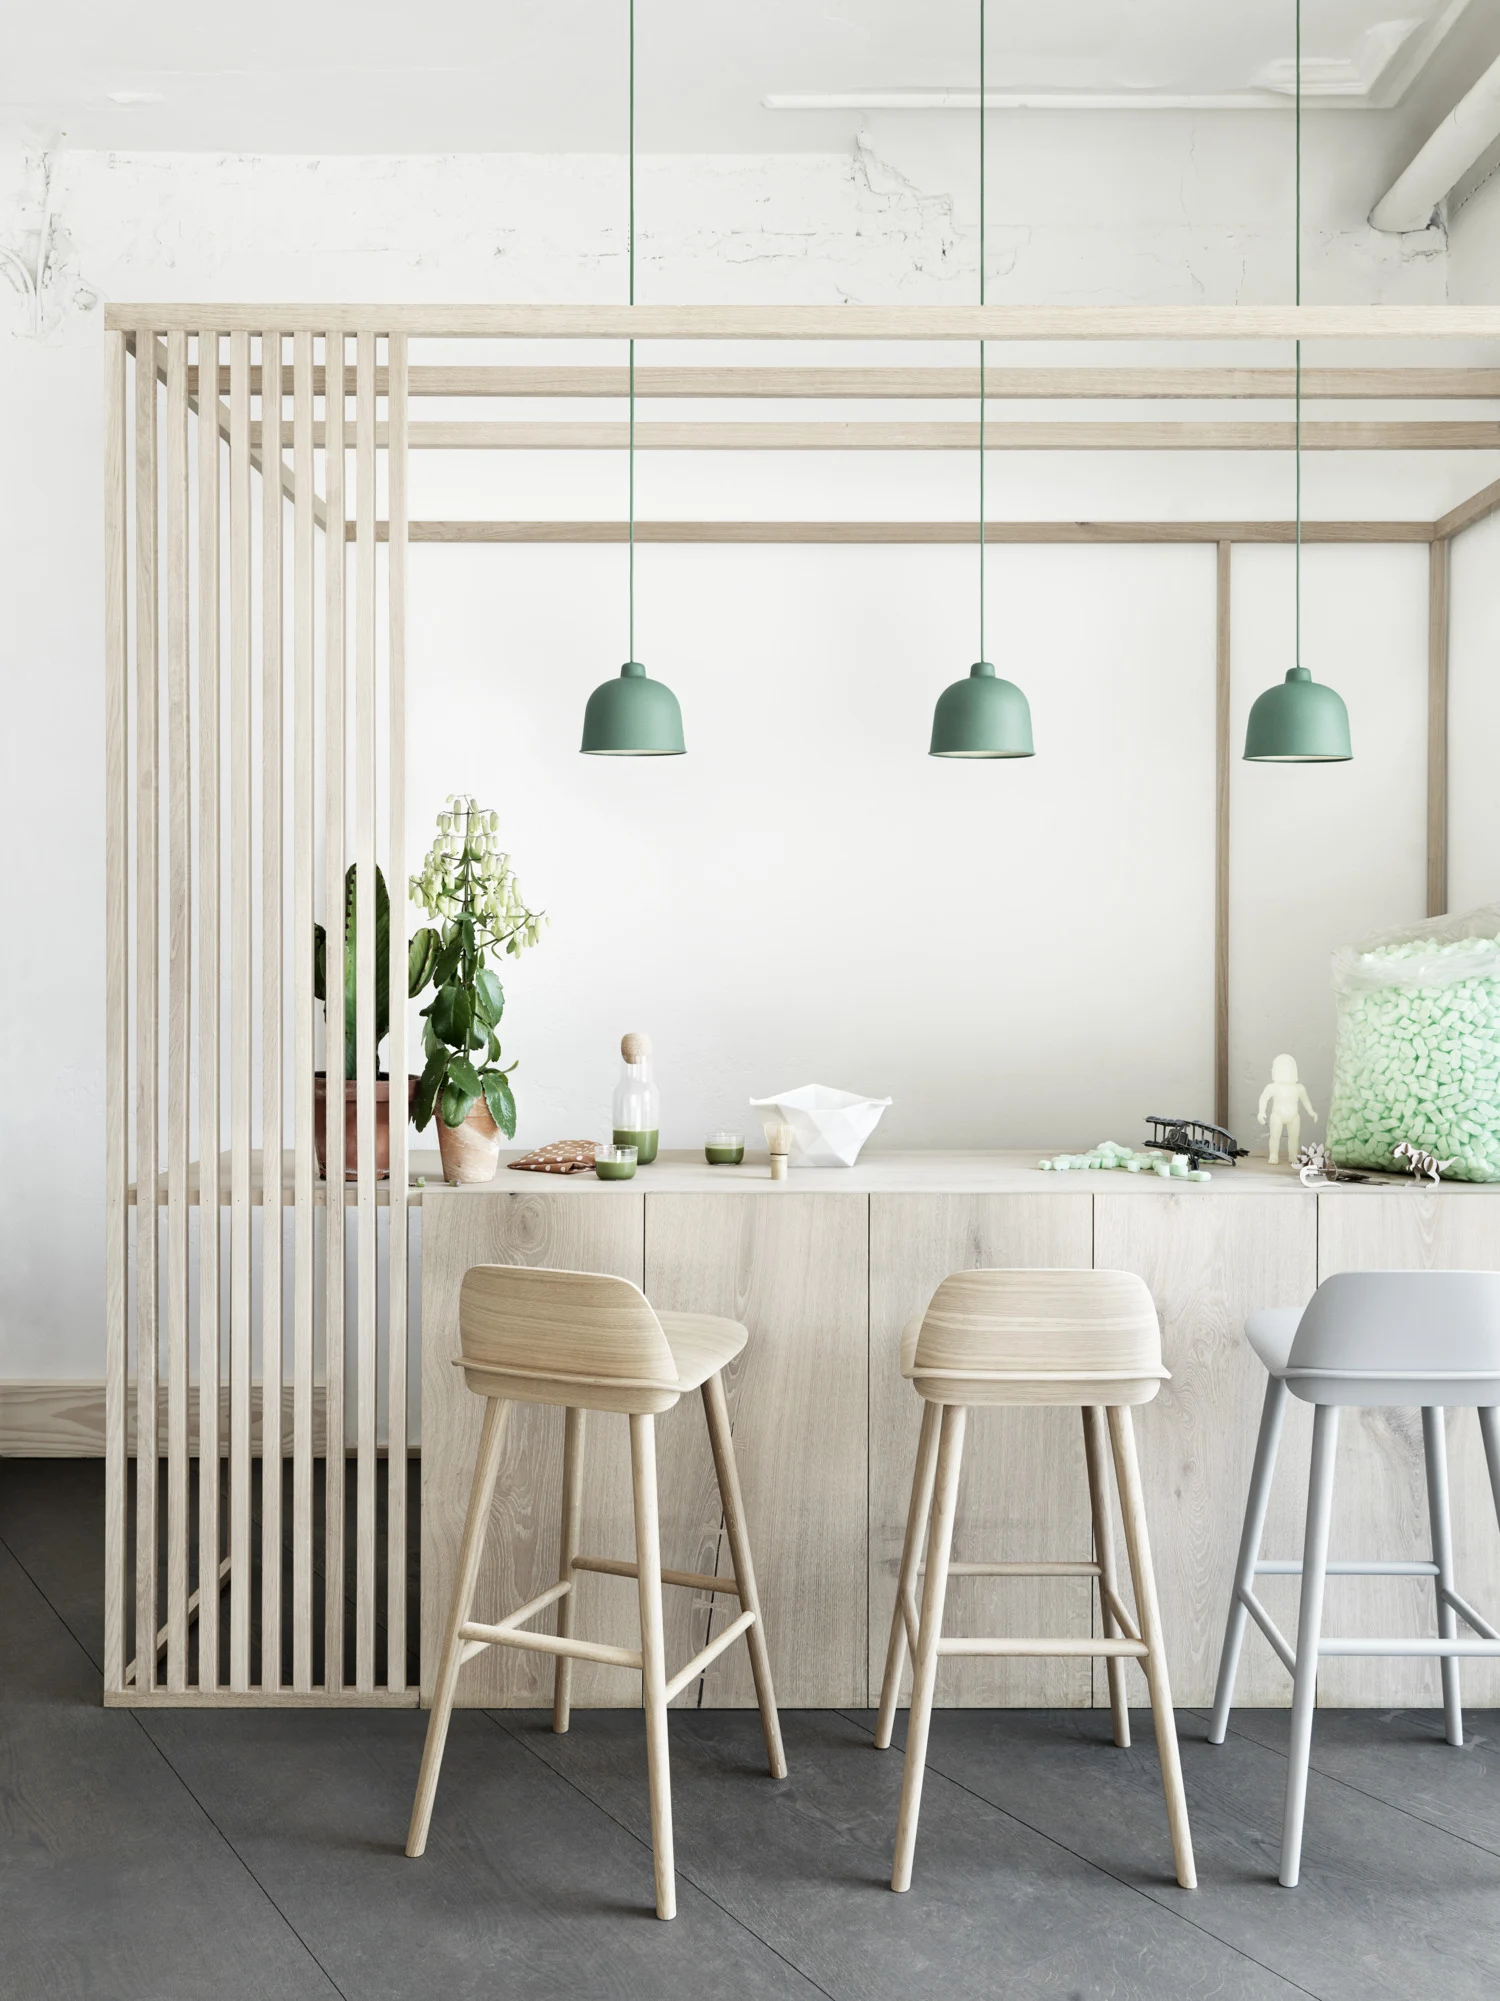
column 1301, row 721
column 984, row 715
column 632, row 716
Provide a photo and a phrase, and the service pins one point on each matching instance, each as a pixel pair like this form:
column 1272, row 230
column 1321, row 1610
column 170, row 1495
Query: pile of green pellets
column 1418, row 1055
column 1148, row 1160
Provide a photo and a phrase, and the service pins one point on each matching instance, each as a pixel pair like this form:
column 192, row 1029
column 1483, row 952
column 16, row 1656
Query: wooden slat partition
column 364, row 1011
column 271, row 919
column 241, row 1011
column 304, row 816
column 1439, row 571
column 334, row 726
column 147, row 890
column 179, row 755
column 117, row 1003
column 209, row 997
column 399, row 1216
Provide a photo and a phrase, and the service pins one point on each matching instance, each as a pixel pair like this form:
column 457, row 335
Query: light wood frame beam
column 838, row 323
column 918, row 533
column 1439, row 571
column 1478, row 507
column 1131, row 435
column 879, row 384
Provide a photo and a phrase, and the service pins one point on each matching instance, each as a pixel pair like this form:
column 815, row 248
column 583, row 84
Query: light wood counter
column 825, row 1268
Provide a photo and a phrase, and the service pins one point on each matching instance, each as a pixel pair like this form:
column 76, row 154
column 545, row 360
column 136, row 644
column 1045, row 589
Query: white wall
column 1015, row 953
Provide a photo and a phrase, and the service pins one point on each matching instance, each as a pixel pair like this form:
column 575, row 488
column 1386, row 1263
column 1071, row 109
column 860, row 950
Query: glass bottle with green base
column 637, row 1106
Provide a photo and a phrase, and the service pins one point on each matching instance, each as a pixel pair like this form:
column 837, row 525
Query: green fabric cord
column 982, row 653
column 1297, row 287
column 630, row 245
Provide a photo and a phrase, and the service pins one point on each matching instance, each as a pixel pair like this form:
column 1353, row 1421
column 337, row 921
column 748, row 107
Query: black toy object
column 1197, row 1139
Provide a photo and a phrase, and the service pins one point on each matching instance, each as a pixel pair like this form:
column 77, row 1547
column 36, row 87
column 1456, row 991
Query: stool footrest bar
column 1435, row 1649
column 550, row 1643
column 711, row 1652
column 1278, row 1640
column 1291, row 1566
column 1029, row 1649
column 1019, row 1569
column 692, row 1580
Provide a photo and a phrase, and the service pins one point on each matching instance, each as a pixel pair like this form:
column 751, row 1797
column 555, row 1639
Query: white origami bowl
column 829, row 1127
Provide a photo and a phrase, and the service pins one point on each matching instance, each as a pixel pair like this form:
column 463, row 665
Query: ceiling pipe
column 1470, row 128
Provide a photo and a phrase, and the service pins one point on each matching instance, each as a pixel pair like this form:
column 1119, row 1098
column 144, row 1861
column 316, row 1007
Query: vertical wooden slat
column 1439, row 567
column 117, row 1006
column 208, row 1022
column 364, row 984
column 1222, row 761
column 304, row 558
column 333, row 921
column 179, row 1002
column 396, row 508
column 270, row 1013
column 241, row 755
column 146, row 1026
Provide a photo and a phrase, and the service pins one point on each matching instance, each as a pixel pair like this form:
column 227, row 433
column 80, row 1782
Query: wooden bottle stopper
column 635, row 1047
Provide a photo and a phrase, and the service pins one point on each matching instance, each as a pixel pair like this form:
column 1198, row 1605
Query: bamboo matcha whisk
column 779, row 1142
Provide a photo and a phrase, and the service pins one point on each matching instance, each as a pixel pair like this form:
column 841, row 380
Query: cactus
column 420, row 954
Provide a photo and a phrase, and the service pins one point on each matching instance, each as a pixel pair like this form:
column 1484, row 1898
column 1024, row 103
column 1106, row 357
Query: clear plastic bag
column 1418, row 1051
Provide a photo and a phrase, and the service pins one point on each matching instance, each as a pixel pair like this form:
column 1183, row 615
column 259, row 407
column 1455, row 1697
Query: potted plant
column 468, row 885
column 418, row 966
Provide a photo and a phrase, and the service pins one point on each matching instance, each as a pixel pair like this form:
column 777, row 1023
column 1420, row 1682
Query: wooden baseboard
column 62, row 1420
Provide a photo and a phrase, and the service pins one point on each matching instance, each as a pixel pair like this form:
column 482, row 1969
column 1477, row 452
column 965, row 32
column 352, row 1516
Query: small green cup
column 614, row 1163
column 724, row 1149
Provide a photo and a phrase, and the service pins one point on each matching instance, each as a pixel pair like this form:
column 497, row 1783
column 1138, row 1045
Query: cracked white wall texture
column 1110, row 644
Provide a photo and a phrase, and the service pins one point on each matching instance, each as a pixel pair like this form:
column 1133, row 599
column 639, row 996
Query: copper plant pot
column 471, row 1152
column 351, row 1124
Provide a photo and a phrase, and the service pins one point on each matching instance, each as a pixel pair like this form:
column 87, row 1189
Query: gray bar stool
column 1087, row 1338
column 1371, row 1340
column 592, row 1342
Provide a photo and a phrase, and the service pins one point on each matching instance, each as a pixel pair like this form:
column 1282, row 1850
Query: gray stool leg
column 924, row 1677
column 1435, row 1449
column 1257, row 1502
column 906, row 1582
column 1309, row 1632
column 1489, row 1431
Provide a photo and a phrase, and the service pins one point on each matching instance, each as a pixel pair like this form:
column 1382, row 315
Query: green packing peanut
column 1418, row 1051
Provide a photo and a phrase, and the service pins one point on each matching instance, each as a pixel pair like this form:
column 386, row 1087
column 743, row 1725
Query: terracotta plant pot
column 471, row 1152
column 351, row 1124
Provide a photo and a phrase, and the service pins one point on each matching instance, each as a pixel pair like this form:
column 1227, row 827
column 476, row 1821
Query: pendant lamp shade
column 632, row 716
column 1300, row 722
column 982, row 716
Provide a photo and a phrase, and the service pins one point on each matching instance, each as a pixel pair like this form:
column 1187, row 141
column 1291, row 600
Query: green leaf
column 462, row 1073
column 497, row 1095
column 454, row 1106
column 428, row 1086
column 320, row 953
column 446, row 963
column 431, row 1041
column 494, row 1048
column 489, row 997
column 421, row 956
column 450, row 1015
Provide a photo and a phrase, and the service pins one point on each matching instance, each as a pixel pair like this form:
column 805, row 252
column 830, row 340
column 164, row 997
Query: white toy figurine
column 1287, row 1101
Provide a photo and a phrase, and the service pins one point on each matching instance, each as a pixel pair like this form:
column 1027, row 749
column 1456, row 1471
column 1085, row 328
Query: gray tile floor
column 212, row 1855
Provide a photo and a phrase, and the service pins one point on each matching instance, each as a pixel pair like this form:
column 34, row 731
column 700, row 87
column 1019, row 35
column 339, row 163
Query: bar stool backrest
column 1400, row 1337
column 564, row 1337
column 1040, row 1336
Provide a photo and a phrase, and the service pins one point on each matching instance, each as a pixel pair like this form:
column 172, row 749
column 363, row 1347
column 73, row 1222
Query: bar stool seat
column 588, row 1341
column 1377, row 1341
column 1085, row 1338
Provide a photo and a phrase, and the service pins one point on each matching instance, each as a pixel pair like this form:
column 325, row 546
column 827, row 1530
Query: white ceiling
column 311, row 76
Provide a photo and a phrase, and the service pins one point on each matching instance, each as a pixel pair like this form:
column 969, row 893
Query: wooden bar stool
column 1369, row 1340
column 591, row 1342
column 1088, row 1338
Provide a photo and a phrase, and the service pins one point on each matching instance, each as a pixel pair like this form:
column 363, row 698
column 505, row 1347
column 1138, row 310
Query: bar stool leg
column 1094, row 1454
column 924, row 1679
column 562, row 1673
column 1435, row 1451
column 653, row 1656
column 911, row 1558
column 1148, row 1613
column 1309, row 1632
column 1257, row 1502
column 1489, row 1431
column 476, row 1526
column 721, row 1442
